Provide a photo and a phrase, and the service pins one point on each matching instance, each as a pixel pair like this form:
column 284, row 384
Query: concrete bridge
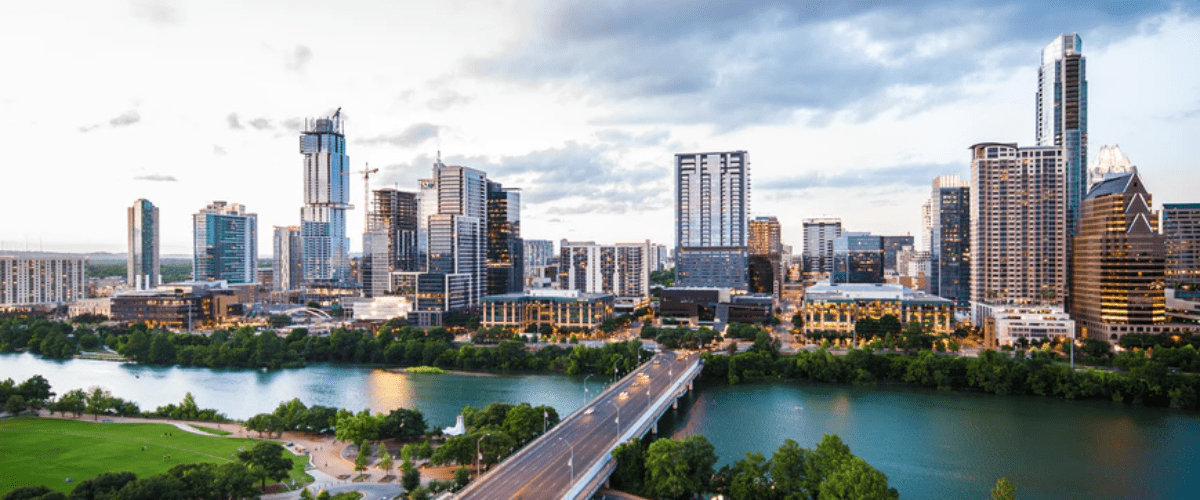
column 574, row 459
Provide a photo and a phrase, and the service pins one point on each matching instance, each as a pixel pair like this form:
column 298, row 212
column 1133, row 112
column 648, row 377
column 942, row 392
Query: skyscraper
column 288, row 262
column 949, row 240
column 225, row 243
column 892, row 245
column 143, row 269
column 1018, row 234
column 622, row 270
column 1062, row 115
column 1119, row 260
column 505, row 251
column 1181, row 227
column 395, row 213
column 712, row 193
column 765, row 256
column 326, row 198
column 858, row 258
column 817, row 257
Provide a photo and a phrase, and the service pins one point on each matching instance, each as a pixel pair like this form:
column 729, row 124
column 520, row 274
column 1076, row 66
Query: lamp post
column 570, row 461
column 618, row 417
column 479, row 456
column 585, row 388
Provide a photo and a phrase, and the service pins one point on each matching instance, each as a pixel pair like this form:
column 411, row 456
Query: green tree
column 854, row 479
column 462, row 476
column 631, row 466
column 74, row 402
column 679, row 469
column 410, row 477
column 323, row 495
column 103, row 486
column 789, row 470
column 266, row 461
column 38, row 492
column 385, row 460
column 363, row 459
column 751, row 478
column 99, row 401
column 1004, row 490
column 356, row 428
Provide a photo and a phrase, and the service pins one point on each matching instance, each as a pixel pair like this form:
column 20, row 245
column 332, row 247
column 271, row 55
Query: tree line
column 201, row 481
column 1147, row 381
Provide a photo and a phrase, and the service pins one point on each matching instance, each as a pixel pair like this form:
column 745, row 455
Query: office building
column 950, row 240
column 542, row 309
column 326, row 249
column 42, row 278
column 427, row 206
column 374, row 268
column 225, row 245
column 1007, row 325
column 817, row 256
column 505, row 249
column 712, row 193
column 288, row 250
column 1181, row 228
column 143, row 268
column 1018, row 234
column 858, row 258
column 1062, row 116
column 621, row 270
column 182, row 306
column 892, row 246
column 396, row 214
column 1119, row 260
column 838, row 307
column 765, row 256
column 539, row 253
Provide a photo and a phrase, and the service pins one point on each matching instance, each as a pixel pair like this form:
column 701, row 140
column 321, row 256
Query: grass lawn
column 46, row 451
column 209, row 430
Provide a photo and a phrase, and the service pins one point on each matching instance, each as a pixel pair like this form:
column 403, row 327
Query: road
column 542, row 472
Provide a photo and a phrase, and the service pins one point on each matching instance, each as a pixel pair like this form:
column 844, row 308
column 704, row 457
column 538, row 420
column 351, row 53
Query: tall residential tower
column 1062, row 115
column 326, row 199
column 143, row 268
column 712, row 194
column 225, row 243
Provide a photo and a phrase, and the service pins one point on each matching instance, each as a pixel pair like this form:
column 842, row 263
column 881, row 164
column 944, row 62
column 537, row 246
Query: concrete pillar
column 675, row 404
column 654, row 428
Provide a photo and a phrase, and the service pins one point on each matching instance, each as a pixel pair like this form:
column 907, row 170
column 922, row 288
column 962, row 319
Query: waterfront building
column 950, row 240
column 838, row 307
column 143, row 268
column 1118, row 260
column 857, row 258
column 380, row 308
column 712, row 194
column 181, row 306
column 765, row 256
column 225, row 243
column 1181, row 228
column 288, row 261
column 1017, row 221
column 1007, row 325
column 42, row 278
column 817, row 256
column 1062, row 96
column 534, row 309
column 714, row 306
column 505, row 249
column 326, row 249
column 621, row 270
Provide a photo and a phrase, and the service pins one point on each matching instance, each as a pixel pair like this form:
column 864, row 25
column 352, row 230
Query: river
column 930, row 444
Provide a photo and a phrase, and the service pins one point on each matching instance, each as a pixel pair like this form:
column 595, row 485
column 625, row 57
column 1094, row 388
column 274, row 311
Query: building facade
column 1062, row 116
column 505, row 249
column 554, row 308
column 326, row 249
column 143, row 268
column 395, row 213
column 1018, row 233
column 621, row 270
column 186, row 306
column 1181, row 228
column 766, row 271
column 817, row 255
column 225, row 245
column 838, row 307
column 712, row 193
column 1118, row 260
column 950, row 240
column 858, row 258
column 42, row 278
column 289, row 263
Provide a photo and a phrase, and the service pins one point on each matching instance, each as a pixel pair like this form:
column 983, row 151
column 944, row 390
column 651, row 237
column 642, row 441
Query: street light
column 570, row 461
column 479, row 456
column 585, row 388
column 618, row 417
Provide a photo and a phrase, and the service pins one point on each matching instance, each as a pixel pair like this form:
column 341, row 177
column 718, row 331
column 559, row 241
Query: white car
column 624, row 394
column 589, row 411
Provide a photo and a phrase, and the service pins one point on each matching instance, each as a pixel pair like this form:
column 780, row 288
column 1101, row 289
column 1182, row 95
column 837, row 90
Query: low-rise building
column 1007, row 325
column 556, row 308
column 839, row 306
column 379, row 308
column 97, row 307
column 187, row 305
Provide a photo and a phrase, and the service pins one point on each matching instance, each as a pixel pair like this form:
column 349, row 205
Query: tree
column 679, row 469
column 74, row 402
column 462, row 476
column 362, row 460
column 38, row 492
column 160, row 487
column 356, row 428
column 631, row 464
column 855, row 479
column 99, row 401
column 103, row 486
column 385, row 460
column 1004, row 490
column 751, row 478
column 266, row 461
column 410, row 477
column 789, row 466
column 16, row 404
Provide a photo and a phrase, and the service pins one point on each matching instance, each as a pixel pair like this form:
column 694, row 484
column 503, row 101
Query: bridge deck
column 540, row 470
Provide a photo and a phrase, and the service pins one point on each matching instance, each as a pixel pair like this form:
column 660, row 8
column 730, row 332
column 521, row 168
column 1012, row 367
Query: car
column 624, row 394
column 589, row 411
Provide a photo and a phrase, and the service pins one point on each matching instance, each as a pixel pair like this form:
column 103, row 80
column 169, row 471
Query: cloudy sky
column 847, row 109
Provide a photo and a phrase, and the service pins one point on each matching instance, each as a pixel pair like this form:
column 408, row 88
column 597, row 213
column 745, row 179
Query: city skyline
column 182, row 114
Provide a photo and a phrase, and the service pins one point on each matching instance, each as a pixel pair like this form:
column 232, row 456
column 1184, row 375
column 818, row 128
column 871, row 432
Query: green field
column 47, row 451
column 210, row 430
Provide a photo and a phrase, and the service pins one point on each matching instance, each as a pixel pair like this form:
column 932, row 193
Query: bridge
column 574, row 459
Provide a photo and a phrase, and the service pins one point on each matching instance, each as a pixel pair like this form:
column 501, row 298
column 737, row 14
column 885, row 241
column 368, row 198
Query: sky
column 847, row 109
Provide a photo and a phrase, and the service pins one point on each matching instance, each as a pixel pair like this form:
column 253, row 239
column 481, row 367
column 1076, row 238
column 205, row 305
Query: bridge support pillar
column 654, row 428
column 675, row 404
column 689, row 386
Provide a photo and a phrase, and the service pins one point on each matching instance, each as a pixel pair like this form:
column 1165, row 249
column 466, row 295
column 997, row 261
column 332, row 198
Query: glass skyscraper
column 225, row 243
column 143, row 268
column 326, row 199
column 1062, row 115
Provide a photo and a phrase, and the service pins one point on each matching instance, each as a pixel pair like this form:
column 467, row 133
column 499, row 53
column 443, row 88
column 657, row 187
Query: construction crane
column 366, row 193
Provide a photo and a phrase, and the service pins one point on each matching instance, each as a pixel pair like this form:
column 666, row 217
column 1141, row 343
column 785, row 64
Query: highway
column 541, row 471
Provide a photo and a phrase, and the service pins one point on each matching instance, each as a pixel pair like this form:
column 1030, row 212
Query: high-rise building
column 1119, row 260
column 225, row 243
column 1017, row 221
column 505, row 250
column 143, row 269
column 858, row 258
column 1181, row 228
column 949, row 240
column 289, row 273
column 374, row 268
column 395, row 213
column 817, row 256
column 427, row 206
column 326, row 199
column 622, row 270
column 765, row 256
column 539, row 252
column 892, row 245
column 712, row 192
column 1062, row 116
column 42, row 278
